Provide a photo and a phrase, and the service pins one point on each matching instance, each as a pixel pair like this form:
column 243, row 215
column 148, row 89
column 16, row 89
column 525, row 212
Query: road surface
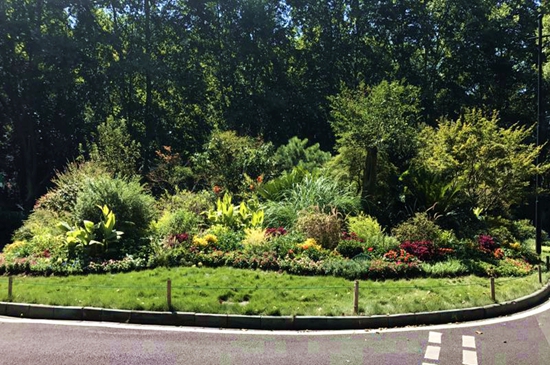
column 522, row 339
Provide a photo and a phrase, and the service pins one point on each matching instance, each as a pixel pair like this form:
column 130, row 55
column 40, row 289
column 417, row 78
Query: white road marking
column 432, row 352
column 435, row 337
column 469, row 341
column 469, row 357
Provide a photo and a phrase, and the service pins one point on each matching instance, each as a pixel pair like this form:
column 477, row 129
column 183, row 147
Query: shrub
column 443, row 269
column 228, row 240
column 312, row 190
column 486, row 243
column 523, row 230
column 114, row 148
column 383, row 269
column 295, row 153
column 349, row 269
column 381, row 244
column 350, row 248
column 513, row 267
column 236, row 217
column 418, row 228
column 285, row 244
column 425, row 250
column 254, row 237
column 196, row 203
column 172, row 223
column 364, row 226
column 324, row 228
column 41, row 221
column 228, row 157
column 133, row 206
column 275, row 232
column 68, row 184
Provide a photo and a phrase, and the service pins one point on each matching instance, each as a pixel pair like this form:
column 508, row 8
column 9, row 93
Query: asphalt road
column 522, row 339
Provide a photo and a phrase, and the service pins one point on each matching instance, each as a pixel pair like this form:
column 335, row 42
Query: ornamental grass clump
column 324, row 228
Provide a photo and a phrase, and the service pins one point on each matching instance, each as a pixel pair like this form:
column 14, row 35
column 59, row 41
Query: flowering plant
column 310, row 244
column 425, row 250
column 275, row 232
column 205, row 241
column 351, row 236
column 486, row 243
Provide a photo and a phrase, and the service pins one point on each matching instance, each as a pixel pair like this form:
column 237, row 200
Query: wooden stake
column 10, row 288
column 547, row 263
column 540, row 274
column 493, row 296
column 169, row 293
column 356, row 297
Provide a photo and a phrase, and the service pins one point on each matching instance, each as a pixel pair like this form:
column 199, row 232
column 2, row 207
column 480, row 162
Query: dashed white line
column 469, row 357
column 432, row 352
column 435, row 337
column 469, row 342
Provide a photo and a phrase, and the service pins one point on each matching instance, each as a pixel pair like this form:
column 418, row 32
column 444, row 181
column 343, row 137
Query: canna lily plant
column 93, row 236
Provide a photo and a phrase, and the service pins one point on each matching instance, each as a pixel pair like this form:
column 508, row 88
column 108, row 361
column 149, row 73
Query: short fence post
column 493, row 296
column 540, row 274
column 547, row 263
column 169, row 293
column 10, row 288
column 356, row 297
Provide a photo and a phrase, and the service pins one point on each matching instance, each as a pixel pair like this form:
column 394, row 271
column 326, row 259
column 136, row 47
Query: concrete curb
column 39, row 311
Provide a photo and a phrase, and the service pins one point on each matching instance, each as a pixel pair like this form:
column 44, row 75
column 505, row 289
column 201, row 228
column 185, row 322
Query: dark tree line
column 175, row 70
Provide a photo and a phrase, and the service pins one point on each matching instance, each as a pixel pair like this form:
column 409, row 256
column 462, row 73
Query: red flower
column 370, row 249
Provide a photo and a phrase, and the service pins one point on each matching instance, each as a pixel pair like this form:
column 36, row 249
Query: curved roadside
column 38, row 311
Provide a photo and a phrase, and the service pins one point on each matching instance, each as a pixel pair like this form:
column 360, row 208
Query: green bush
column 114, row 148
column 418, row 228
column 295, row 153
column 40, row 222
column 68, row 184
column 365, row 227
column 228, row 240
column 350, row 248
column 313, row 191
column 196, row 203
column 180, row 221
column 132, row 205
column 443, row 269
column 513, row 267
column 523, row 230
column 228, row 158
column 324, row 228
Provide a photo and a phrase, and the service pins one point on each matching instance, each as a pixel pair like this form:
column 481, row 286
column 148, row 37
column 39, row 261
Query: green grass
column 228, row 290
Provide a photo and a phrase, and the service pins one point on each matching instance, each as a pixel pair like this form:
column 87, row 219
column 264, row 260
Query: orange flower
column 251, row 186
column 217, row 189
column 259, row 179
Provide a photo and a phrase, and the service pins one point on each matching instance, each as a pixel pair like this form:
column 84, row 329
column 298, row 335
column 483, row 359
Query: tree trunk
column 369, row 174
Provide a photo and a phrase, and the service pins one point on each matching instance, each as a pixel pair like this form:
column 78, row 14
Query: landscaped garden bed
column 264, row 210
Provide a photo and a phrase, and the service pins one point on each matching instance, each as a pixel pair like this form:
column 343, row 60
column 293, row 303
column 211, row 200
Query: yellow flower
column 515, row 245
column 210, row 238
column 310, row 243
column 14, row 246
column 199, row 241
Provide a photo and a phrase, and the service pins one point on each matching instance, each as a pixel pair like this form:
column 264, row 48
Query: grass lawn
column 228, row 290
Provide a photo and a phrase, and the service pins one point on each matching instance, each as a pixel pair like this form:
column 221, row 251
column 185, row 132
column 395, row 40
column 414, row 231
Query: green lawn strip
column 228, row 290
